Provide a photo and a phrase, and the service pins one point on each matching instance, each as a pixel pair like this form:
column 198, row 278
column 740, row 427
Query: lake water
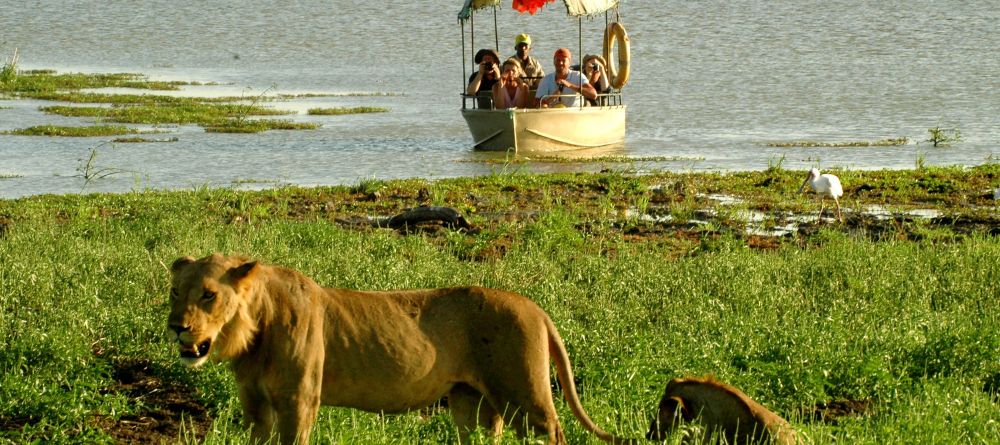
column 713, row 82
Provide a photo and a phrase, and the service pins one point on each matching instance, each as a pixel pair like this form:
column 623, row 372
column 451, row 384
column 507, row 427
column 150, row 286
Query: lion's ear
column 181, row 262
column 243, row 271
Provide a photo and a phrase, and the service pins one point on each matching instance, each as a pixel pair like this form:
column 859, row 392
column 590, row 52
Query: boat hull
column 547, row 130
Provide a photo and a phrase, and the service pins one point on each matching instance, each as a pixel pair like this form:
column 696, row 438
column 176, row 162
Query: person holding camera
column 511, row 91
column 597, row 75
column 481, row 82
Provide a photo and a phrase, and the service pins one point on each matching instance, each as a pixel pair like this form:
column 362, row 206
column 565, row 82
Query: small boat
column 573, row 130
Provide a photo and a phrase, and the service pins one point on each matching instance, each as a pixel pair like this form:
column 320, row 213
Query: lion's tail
column 565, row 375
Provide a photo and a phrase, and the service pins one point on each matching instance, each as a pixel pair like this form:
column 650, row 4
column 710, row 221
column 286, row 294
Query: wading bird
column 825, row 185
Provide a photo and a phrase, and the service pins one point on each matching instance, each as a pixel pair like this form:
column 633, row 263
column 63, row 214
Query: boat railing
column 479, row 102
column 485, row 102
column 612, row 99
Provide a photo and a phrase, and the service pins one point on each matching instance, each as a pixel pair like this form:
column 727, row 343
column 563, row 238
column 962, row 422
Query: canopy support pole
column 496, row 31
column 463, row 57
column 579, row 36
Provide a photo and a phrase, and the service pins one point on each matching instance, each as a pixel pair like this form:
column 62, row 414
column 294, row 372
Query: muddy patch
column 164, row 409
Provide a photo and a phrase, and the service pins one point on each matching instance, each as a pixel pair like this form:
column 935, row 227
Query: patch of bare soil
column 831, row 412
column 165, row 408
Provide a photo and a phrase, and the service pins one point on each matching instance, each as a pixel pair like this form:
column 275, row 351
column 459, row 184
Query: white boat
column 572, row 131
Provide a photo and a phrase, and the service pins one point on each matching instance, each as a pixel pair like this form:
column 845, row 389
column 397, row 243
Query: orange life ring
column 615, row 35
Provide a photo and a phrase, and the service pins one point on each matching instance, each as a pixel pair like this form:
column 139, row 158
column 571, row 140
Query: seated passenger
column 595, row 72
column 510, row 91
column 559, row 89
column 481, row 82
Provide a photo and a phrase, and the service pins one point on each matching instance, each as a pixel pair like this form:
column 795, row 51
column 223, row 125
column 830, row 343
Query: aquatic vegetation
column 184, row 113
column 142, row 139
column 46, row 80
column 229, row 114
column 902, row 140
column 67, row 131
column 8, row 72
column 943, row 137
column 345, row 110
column 358, row 94
column 10, row 176
column 259, row 125
column 123, row 99
column 90, row 171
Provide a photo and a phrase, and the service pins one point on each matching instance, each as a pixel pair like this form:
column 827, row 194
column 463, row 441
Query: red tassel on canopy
column 529, row 6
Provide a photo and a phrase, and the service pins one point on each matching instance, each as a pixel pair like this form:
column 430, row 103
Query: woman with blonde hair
column 510, row 91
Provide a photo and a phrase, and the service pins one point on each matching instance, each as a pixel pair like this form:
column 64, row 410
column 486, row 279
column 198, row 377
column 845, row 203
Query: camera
column 593, row 66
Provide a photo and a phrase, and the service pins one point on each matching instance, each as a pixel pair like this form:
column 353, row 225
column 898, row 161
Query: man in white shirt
column 560, row 89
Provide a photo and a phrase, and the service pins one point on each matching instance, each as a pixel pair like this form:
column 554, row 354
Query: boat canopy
column 575, row 8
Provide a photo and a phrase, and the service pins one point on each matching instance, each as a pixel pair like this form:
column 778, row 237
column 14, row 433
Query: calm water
column 713, row 82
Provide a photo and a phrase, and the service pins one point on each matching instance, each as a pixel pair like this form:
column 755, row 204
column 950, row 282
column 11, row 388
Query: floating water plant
column 878, row 143
column 66, row 131
column 259, row 126
column 219, row 114
column 132, row 140
column 346, row 110
column 41, row 81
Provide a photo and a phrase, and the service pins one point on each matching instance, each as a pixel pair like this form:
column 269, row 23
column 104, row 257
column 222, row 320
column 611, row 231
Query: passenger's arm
column 499, row 99
column 474, row 84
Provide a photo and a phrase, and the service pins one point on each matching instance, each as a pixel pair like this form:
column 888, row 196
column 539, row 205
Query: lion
column 721, row 409
column 294, row 346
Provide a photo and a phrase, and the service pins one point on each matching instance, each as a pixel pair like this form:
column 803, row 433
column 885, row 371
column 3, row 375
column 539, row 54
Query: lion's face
column 207, row 302
column 667, row 418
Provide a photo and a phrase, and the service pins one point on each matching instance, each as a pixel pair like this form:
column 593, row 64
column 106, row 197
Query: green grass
column 67, row 131
column 346, row 110
column 909, row 326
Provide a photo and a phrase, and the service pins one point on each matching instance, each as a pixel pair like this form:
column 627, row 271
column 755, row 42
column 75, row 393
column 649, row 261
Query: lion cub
column 294, row 345
column 721, row 409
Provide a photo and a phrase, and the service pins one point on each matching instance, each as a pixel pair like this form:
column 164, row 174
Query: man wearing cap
column 564, row 84
column 532, row 69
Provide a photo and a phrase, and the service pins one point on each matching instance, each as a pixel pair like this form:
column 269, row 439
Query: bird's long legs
column 840, row 216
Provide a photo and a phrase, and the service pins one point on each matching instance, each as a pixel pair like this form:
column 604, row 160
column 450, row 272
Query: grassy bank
column 866, row 333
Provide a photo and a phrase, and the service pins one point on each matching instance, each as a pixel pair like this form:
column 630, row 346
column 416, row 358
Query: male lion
column 294, row 345
column 721, row 409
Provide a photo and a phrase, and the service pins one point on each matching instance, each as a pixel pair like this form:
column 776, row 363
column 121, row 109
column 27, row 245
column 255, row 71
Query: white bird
column 825, row 185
